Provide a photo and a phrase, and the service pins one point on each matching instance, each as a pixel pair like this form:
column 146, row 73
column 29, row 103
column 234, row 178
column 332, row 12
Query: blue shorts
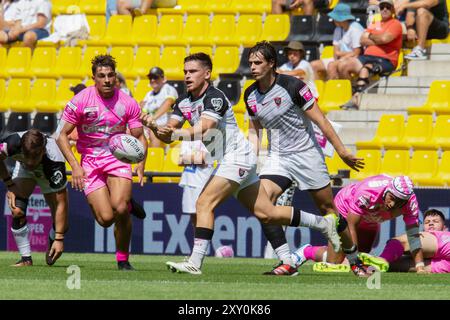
column 40, row 33
column 386, row 65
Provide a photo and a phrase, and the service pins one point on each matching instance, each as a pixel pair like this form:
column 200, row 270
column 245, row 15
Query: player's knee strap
column 274, row 234
column 22, row 204
column 414, row 238
column 342, row 224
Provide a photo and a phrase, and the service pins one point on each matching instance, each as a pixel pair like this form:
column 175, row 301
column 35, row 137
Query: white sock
column 313, row 221
column 199, row 251
column 22, row 241
column 284, row 253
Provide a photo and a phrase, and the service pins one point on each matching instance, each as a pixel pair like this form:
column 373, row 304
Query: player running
column 39, row 162
column 286, row 107
column 212, row 120
column 435, row 241
column 99, row 112
column 366, row 204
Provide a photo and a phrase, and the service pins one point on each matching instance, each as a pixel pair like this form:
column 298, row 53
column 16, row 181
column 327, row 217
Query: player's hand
column 411, row 35
column 11, row 200
column 352, row 161
column 295, row 4
column 148, row 121
column 165, row 132
column 78, row 176
column 139, row 169
column 56, row 250
column 14, row 33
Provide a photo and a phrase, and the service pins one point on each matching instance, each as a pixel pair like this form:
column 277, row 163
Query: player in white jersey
column 197, row 171
column 212, row 121
column 286, row 107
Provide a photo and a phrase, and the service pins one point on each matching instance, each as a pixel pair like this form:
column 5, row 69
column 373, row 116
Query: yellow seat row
column 419, row 133
column 220, row 6
column 438, row 100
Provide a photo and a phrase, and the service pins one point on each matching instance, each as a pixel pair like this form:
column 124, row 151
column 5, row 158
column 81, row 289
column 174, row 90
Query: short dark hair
column 202, row 57
column 33, row 142
column 103, row 60
column 267, row 50
column 432, row 213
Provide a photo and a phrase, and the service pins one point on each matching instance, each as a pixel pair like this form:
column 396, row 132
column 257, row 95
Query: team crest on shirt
column 306, row 93
column 277, row 101
column 217, row 103
column 91, row 113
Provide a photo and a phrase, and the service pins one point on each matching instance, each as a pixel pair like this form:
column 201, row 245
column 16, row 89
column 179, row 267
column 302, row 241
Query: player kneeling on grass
column 39, row 162
column 435, row 241
column 98, row 113
column 365, row 205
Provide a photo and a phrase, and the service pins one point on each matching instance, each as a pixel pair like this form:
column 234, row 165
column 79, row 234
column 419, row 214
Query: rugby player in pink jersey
column 435, row 240
column 365, row 205
column 99, row 112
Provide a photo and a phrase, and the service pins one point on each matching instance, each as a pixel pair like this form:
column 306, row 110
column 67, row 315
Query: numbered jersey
column 53, row 161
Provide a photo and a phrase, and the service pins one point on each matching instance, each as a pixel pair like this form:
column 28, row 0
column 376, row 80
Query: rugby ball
column 126, row 148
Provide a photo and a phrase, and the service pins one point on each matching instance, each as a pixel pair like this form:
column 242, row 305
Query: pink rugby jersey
column 365, row 198
column 97, row 119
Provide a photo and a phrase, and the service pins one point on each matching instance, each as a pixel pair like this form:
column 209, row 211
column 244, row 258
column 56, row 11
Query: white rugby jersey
column 212, row 104
column 281, row 110
column 153, row 101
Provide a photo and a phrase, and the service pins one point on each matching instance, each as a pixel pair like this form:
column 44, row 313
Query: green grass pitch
column 225, row 279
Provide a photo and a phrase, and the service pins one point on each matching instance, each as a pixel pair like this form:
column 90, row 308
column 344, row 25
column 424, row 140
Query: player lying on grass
column 366, row 204
column 39, row 162
column 435, row 240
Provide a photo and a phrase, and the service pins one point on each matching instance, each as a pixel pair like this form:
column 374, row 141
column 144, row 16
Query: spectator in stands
column 8, row 12
column 158, row 102
column 425, row 19
column 33, row 22
column 121, row 84
column 346, row 42
column 140, row 7
column 383, row 44
column 308, row 6
column 297, row 66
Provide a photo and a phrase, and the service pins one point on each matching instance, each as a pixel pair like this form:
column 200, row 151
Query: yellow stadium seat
column 184, row 6
column 372, row 163
column 155, row 160
column 254, row 6
column 223, row 29
column 63, row 93
column 170, row 165
column 18, row 62
column 320, row 85
column 172, row 61
column 417, row 133
column 42, row 96
column 395, row 162
column 328, row 52
column 118, row 31
column 276, row 27
column 335, row 163
column 3, row 108
column 446, row 40
column 93, row 6
column 63, row 6
column 142, row 88
column 124, row 58
column 242, row 121
column 3, row 58
column 438, row 99
column 170, row 30
column 390, row 130
column 144, row 30
column 67, row 63
column 240, row 106
column 336, row 93
column 226, row 60
column 444, row 168
column 441, row 133
column 399, row 64
column 16, row 94
column 220, row 6
column 146, row 58
column 423, row 169
column 97, row 27
column 205, row 49
column 85, row 69
column 196, row 30
column 248, row 30
column 42, row 62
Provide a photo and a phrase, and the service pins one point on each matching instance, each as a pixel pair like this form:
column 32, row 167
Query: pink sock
column 392, row 251
column 122, row 256
column 310, row 252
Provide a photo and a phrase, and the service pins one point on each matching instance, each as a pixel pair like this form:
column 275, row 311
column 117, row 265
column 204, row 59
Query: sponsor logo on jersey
column 363, row 202
column 71, row 106
column 306, row 93
column 277, row 101
column 217, row 103
column 57, row 178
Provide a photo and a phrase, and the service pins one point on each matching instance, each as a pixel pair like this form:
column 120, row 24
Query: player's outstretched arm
column 316, row 116
column 415, row 246
column 162, row 133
